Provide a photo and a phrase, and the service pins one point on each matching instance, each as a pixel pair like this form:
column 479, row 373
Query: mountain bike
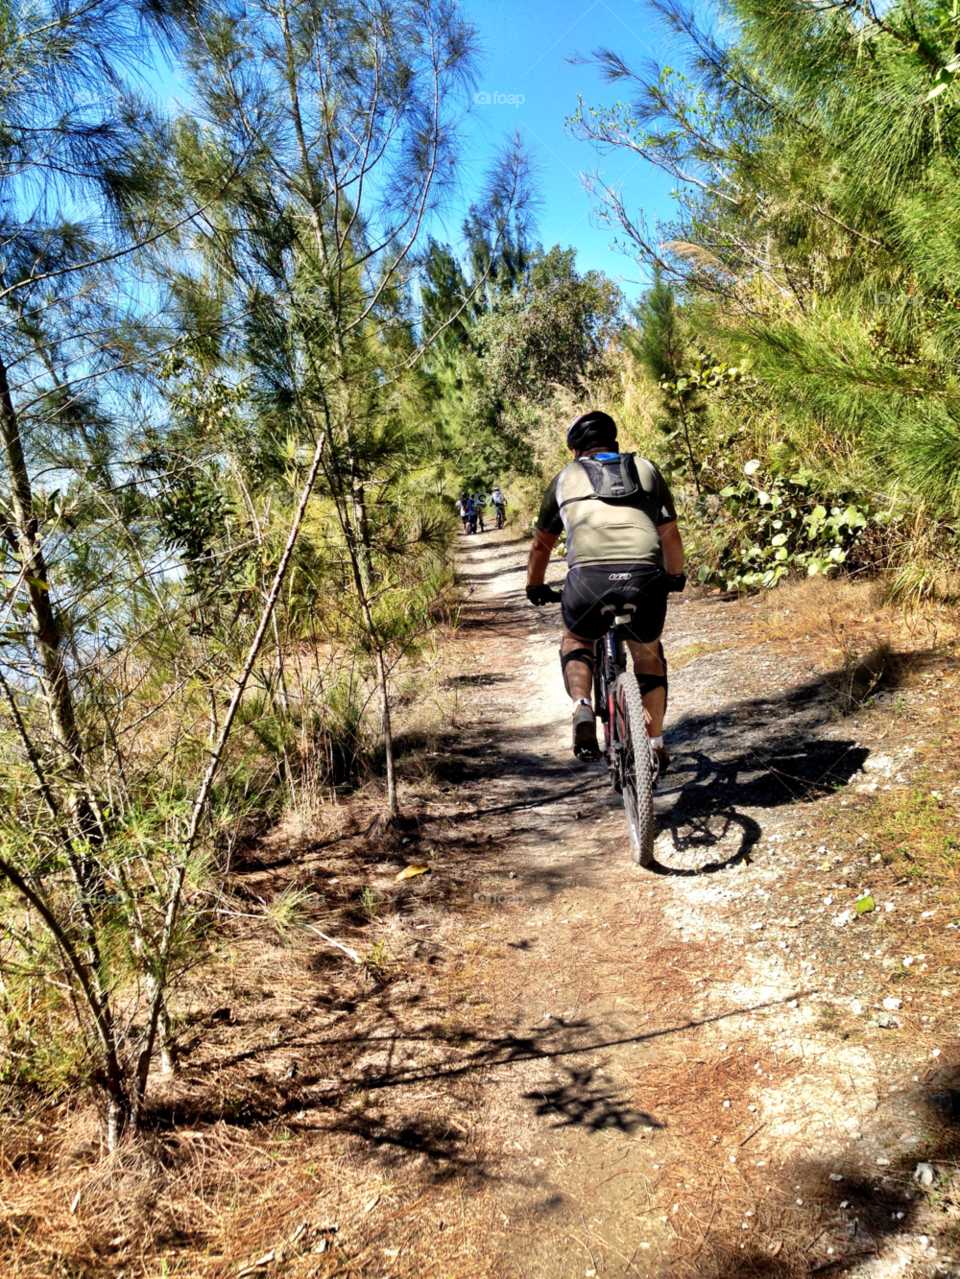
column 501, row 516
column 631, row 760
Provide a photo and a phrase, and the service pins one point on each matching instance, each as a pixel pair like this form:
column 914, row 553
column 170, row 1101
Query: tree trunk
column 686, row 435
column 158, row 981
column 345, row 503
column 21, row 529
column 393, row 806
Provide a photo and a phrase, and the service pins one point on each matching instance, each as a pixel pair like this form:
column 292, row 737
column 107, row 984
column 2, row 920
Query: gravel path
column 693, row 1080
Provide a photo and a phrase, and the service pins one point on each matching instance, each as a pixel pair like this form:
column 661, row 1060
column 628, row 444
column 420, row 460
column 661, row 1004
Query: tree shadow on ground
column 486, row 680
column 368, row 1100
column 581, row 1100
column 859, row 1217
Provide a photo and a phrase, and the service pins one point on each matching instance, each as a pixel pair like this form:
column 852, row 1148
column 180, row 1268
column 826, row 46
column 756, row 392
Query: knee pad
column 649, row 682
column 576, row 655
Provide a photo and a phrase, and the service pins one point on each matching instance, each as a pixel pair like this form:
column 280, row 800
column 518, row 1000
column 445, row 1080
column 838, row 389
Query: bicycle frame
column 632, row 762
column 612, row 658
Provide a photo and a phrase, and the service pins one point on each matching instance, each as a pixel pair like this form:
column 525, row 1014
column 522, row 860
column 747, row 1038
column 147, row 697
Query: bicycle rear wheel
column 636, row 772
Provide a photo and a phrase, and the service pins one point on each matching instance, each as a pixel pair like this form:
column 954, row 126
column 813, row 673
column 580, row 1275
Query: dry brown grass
column 308, row 1093
column 872, row 652
column 686, row 653
column 819, row 607
column 801, row 608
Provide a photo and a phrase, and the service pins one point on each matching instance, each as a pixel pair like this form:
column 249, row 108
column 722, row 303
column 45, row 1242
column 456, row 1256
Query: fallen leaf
column 368, row 1207
column 774, row 1248
column 408, row 872
column 865, row 905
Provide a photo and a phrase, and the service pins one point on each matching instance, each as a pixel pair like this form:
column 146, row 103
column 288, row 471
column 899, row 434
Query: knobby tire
column 636, row 771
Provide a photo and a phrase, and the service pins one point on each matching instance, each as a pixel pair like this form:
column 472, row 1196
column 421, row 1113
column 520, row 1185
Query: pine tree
column 659, row 346
column 815, row 153
column 349, row 119
column 79, row 160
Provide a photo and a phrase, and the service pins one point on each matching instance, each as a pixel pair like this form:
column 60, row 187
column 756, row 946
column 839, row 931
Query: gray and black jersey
column 601, row 532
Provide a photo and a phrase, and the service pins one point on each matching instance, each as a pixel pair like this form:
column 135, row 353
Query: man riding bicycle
column 623, row 548
column 499, row 506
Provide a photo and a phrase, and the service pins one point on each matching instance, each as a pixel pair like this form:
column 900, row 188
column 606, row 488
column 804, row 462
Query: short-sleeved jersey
column 600, row 532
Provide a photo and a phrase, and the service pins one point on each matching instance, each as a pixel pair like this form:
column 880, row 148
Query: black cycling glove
column 676, row 582
column 542, row 594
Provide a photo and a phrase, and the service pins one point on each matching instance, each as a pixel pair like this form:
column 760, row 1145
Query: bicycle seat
column 620, row 608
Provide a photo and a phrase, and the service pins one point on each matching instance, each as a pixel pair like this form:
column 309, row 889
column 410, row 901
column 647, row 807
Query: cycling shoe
column 585, row 745
column 663, row 759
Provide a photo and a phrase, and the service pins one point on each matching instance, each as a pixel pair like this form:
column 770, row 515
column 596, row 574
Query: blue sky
column 525, row 57
column 526, row 52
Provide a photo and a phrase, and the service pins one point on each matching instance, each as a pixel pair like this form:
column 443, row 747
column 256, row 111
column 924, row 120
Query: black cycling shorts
column 591, row 588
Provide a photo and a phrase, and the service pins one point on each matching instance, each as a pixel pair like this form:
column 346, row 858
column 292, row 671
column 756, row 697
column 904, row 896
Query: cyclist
column 463, row 510
column 623, row 545
column 471, row 513
column 479, row 502
column 499, row 506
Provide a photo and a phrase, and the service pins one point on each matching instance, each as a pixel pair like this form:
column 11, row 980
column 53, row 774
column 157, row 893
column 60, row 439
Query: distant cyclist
column 499, row 506
column 463, row 511
column 471, row 515
column 479, row 502
column 623, row 545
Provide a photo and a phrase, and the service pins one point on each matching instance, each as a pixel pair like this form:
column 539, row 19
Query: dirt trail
column 545, row 1061
column 692, row 1080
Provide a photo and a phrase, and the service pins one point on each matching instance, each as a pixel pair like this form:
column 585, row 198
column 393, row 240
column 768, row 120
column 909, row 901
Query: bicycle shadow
column 701, row 836
column 783, row 759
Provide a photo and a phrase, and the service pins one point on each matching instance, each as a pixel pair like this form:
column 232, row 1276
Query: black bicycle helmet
column 591, row 430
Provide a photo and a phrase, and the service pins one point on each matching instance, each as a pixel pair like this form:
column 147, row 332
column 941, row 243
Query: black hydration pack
column 617, row 480
column 614, row 479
